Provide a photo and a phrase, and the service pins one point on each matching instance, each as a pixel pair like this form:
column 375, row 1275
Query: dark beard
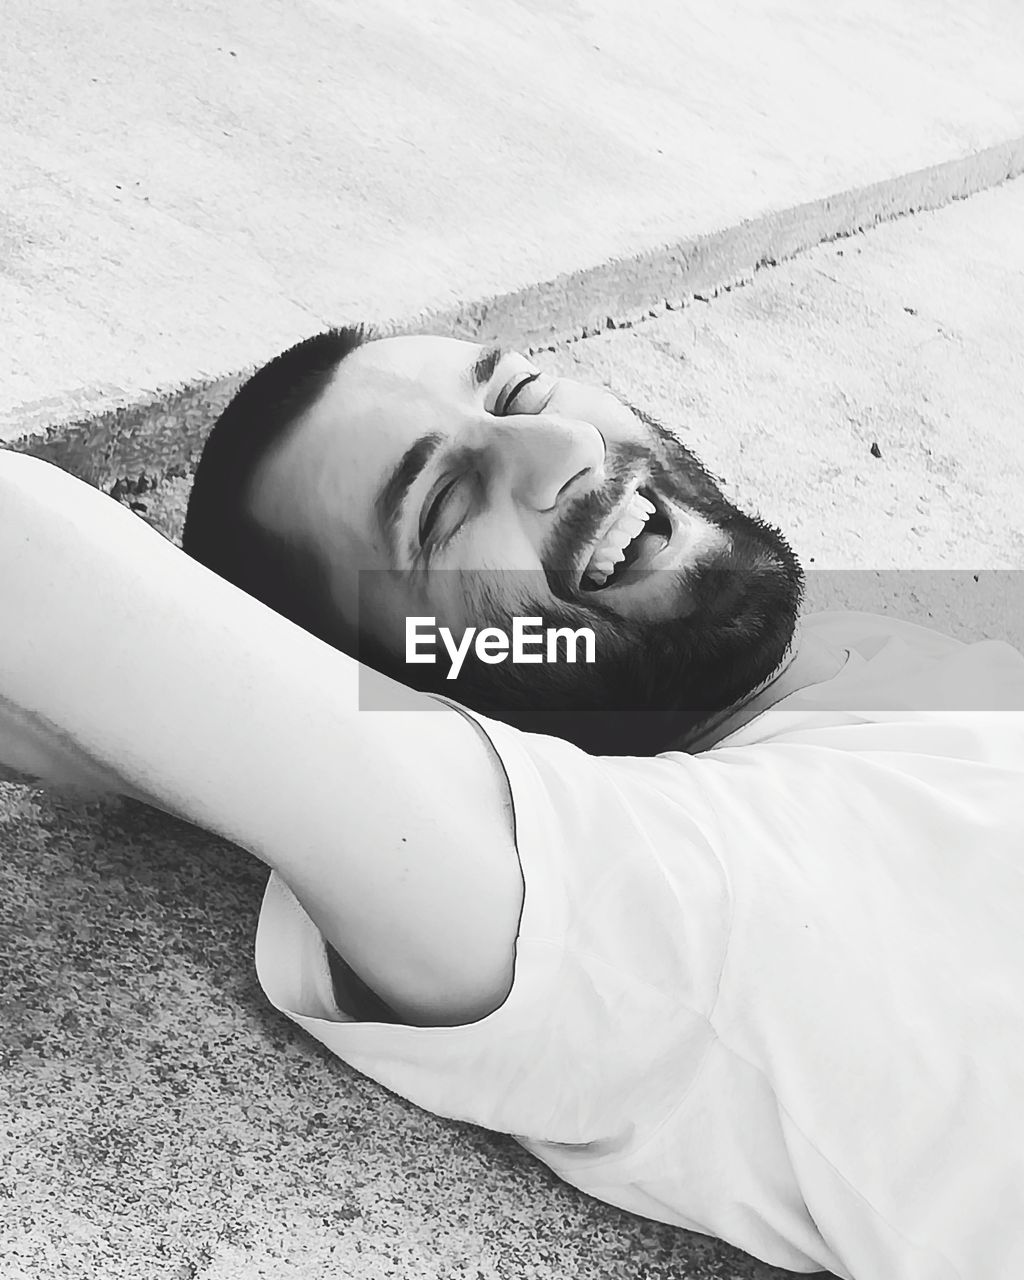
column 652, row 682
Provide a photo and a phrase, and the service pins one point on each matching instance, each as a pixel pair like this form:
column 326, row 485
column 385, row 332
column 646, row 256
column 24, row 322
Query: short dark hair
column 220, row 531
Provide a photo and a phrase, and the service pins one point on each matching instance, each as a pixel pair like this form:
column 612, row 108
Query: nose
column 546, row 457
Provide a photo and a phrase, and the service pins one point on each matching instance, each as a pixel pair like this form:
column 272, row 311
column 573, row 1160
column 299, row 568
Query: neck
column 806, row 661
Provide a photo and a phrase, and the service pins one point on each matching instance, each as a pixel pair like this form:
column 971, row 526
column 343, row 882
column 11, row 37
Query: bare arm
column 121, row 656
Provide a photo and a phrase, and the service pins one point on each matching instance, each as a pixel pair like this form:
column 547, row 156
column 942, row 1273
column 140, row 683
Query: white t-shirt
column 773, row 992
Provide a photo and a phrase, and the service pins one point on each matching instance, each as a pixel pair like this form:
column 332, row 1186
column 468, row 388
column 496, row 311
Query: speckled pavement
column 159, row 1119
column 189, row 185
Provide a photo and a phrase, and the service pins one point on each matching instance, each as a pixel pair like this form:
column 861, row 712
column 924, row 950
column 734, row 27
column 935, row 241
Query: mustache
column 663, row 462
column 584, row 519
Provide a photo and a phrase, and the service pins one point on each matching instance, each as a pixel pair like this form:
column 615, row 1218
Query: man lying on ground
column 751, row 965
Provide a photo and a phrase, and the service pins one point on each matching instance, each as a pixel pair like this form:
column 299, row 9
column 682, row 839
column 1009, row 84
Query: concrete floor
column 187, row 188
column 160, row 1120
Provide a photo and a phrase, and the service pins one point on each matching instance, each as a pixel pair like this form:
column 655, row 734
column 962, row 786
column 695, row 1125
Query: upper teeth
column 612, row 547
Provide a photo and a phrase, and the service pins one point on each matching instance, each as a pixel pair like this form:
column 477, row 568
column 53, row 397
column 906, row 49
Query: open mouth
column 639, row 533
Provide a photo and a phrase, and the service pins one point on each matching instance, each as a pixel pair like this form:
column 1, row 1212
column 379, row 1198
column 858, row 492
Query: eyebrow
column 486, row 363
column 391, row 500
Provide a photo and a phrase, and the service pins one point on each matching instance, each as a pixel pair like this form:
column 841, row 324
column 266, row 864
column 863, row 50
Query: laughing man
column 723, row 926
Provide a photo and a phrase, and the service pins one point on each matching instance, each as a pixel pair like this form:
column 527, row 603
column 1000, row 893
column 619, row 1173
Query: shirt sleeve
column 618, row 955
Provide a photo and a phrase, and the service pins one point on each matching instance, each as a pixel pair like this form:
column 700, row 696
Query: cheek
column 622, row 428
column 488, row 598
column 385, row 599
column 602, row 410
column 496, row 541
column 460, row 599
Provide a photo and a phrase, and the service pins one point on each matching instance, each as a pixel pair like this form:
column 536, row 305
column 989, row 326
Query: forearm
column 110, row 643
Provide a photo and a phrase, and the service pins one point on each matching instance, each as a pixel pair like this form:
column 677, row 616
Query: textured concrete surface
column 160, row 1120
column 188, row 187
column 908, row 338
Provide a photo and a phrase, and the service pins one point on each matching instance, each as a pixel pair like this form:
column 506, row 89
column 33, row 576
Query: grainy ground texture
column 187, row 187
column 160, row 1120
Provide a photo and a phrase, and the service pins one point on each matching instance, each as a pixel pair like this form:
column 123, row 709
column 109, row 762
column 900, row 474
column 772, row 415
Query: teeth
column 631, row 527
column 612, row 547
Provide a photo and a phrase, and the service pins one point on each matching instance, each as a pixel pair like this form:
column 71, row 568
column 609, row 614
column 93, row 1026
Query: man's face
column 440, row 478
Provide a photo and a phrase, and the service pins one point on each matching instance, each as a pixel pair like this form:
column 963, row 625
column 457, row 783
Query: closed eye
column 517, row 387
column 434, row 508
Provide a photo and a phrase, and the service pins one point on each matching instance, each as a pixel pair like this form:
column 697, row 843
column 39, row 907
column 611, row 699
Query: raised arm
column 125, row 664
